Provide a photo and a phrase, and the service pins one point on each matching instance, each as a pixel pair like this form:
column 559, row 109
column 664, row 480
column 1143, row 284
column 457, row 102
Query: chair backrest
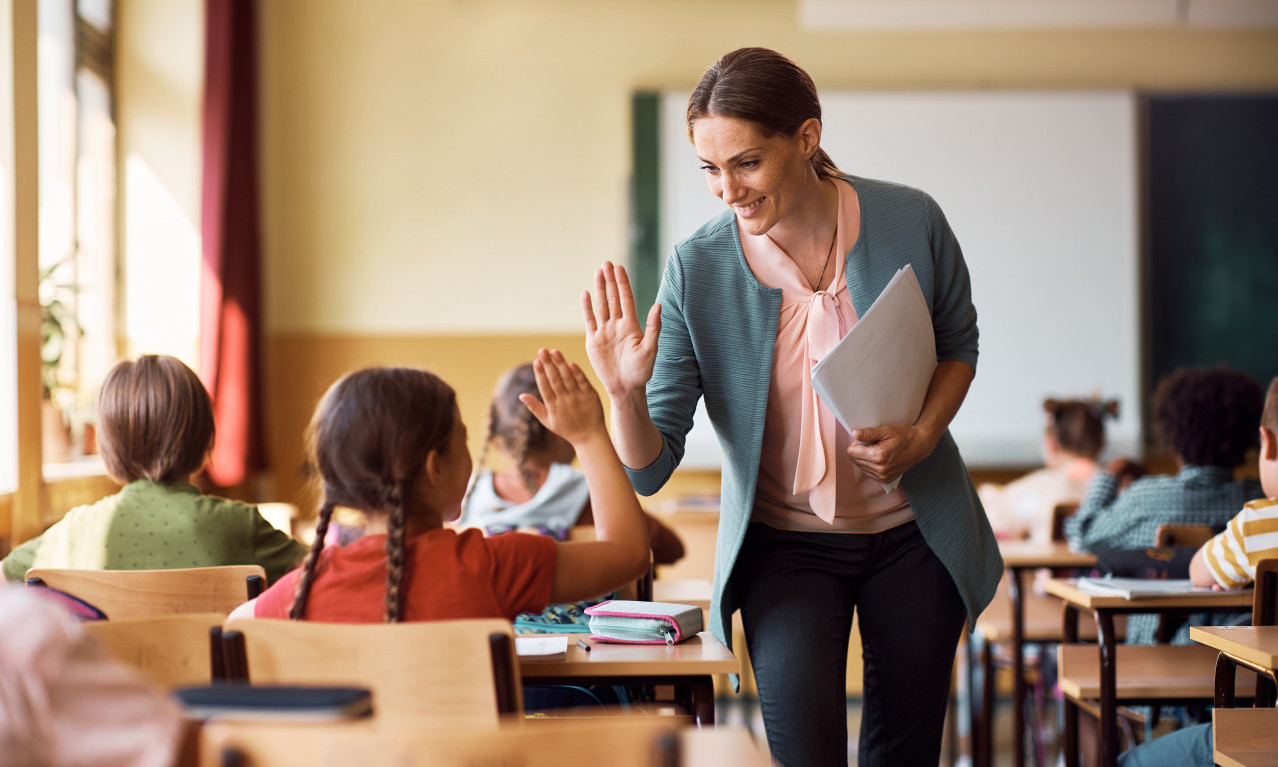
column 1060, row 513
column 146, row 593
column 640, row 589
column 170, row 650
column 1182, row 535
column 1264, row 605
column 619, row 741
column 437, row 672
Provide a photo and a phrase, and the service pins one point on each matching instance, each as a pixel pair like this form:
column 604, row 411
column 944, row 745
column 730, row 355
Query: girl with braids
column 1072, row 442
column 537, row 487
column 389, row 442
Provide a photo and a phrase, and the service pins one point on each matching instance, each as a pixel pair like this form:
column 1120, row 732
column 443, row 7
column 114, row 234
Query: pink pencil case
column 633, row 622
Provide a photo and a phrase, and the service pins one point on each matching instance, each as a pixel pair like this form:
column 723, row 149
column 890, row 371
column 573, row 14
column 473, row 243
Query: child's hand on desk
column 569, row 405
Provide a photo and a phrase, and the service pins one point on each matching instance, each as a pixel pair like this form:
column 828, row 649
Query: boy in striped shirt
column 1228, row 561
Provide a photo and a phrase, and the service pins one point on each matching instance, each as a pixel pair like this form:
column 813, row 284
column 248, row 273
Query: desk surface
column 1029, row 554
column 697, row 656
column 1148, row 672
column 693, row 591
column 1254, row 644
column 1068, row 590
column 1245, row 737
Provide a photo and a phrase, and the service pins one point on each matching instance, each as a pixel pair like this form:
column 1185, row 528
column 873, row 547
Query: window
column 77, row 218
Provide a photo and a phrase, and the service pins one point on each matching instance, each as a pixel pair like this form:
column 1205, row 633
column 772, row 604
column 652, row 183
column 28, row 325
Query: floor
column 742, row 711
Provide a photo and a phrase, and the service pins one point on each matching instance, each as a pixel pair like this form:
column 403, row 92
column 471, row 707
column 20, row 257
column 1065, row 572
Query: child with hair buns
column 536, row 486
column 1072, row 442
column 389, row 442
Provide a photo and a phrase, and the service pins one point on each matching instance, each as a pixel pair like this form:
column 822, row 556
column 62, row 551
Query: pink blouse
column 806, row 480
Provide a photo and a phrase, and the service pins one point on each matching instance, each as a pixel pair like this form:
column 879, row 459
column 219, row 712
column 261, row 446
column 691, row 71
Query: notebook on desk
column 1135, row 588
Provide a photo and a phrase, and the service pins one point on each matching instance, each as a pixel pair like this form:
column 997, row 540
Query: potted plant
column 57, row 326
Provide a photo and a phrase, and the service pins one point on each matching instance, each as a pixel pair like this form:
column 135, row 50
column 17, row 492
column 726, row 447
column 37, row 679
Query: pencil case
column 633, row 622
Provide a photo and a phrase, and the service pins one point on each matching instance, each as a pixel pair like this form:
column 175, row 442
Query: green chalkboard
column 1211, row 256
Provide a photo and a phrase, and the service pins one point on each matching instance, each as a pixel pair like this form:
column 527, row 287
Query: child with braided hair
column 535, row 486
column 389, row 442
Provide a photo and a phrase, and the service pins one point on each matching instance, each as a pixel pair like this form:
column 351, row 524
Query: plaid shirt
column 1197, row 495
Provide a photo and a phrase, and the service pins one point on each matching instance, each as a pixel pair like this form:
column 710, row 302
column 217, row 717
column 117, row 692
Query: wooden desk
column 693, row 591
column 1253, row 647
column 533, row 743
column 1103, row 609
column 689, row 666
column 1019, row 557
column 1245, row 737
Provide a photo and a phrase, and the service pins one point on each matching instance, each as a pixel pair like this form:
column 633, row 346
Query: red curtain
column 230, row 290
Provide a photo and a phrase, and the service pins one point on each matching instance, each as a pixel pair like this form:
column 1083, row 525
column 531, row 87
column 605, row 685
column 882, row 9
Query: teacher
column 807, row 534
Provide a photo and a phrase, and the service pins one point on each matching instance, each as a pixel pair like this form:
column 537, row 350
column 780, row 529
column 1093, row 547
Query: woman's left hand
column 886, row 452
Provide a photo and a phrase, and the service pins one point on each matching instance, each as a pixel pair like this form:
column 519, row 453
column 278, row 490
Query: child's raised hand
column 569, row 405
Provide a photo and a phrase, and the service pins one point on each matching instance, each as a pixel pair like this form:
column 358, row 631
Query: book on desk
column 1136, row 588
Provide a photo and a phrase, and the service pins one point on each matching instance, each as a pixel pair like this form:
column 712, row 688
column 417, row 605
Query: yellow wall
column 441, row 177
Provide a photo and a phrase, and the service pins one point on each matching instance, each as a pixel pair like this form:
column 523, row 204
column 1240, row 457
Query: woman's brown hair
column 155, row 420
column 368, row 441
column 765, row 88
column 1078, row 425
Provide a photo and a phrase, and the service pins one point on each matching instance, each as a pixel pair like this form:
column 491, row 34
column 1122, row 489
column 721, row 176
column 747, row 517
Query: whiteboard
column 1041, row 190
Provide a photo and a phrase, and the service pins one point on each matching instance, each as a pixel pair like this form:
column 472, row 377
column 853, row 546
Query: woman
column 807, row 532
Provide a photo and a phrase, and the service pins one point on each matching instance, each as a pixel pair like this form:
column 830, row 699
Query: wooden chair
column 625, row 741
column 1182, row 535
column 170, row 650
column 461, row 672
column 147, row 593
column 1060, row 513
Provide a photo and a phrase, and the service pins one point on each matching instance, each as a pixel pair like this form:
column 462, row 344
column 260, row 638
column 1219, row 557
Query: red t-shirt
column 447, row 575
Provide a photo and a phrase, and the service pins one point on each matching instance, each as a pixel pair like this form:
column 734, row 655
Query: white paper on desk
column 880, row 371
column 541, row 648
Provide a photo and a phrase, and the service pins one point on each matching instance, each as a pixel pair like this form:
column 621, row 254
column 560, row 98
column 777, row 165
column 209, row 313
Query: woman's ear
column 809, row 134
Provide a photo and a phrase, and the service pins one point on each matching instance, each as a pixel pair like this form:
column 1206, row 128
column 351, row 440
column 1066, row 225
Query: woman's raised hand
column 569, row 405
column 621, row 353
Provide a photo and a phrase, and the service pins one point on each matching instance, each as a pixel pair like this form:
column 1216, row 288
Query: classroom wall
column 440, row 177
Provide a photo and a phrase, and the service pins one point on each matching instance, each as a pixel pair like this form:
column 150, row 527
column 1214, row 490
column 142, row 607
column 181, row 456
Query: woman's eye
column 748, row 164
column 710, row 169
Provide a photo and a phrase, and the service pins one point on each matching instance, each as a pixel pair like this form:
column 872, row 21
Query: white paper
column 541, row 647
column 880, row 371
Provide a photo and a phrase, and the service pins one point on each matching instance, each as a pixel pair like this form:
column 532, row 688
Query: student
column 1072, row 441
column 538, row 487
column 1227, row 561
column 1206, row 417
column 390, row 442
column 155, row 431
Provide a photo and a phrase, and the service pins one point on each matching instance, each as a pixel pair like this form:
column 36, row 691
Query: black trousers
column 798, row 594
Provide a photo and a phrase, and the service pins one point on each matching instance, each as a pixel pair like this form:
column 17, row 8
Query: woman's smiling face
column 758, row 176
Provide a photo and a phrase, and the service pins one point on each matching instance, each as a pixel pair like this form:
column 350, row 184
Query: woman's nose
column 730, row 189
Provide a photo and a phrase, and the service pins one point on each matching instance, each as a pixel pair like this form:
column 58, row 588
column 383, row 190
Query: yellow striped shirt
column 1252, row 535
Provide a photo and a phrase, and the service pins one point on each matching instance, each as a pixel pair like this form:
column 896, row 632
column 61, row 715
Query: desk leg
column 1015, row 589
column 702, row 701
column 985, row 744
column 1069, row 635
column 1225, row 678
column 1108, row 685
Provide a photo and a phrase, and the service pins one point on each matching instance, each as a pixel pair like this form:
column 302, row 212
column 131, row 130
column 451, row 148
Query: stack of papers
column 541, row 648
column 879, row 373
column 1135, row 588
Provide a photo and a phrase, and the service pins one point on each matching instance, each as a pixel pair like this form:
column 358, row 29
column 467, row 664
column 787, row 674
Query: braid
column 483, row 453
column 303, row 590
column 523, row 448
column 395, row 493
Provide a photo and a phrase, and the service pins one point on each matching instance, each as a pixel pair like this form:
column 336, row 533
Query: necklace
column 829, row 257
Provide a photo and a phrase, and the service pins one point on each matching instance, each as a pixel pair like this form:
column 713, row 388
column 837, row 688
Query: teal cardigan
column 718, row 331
